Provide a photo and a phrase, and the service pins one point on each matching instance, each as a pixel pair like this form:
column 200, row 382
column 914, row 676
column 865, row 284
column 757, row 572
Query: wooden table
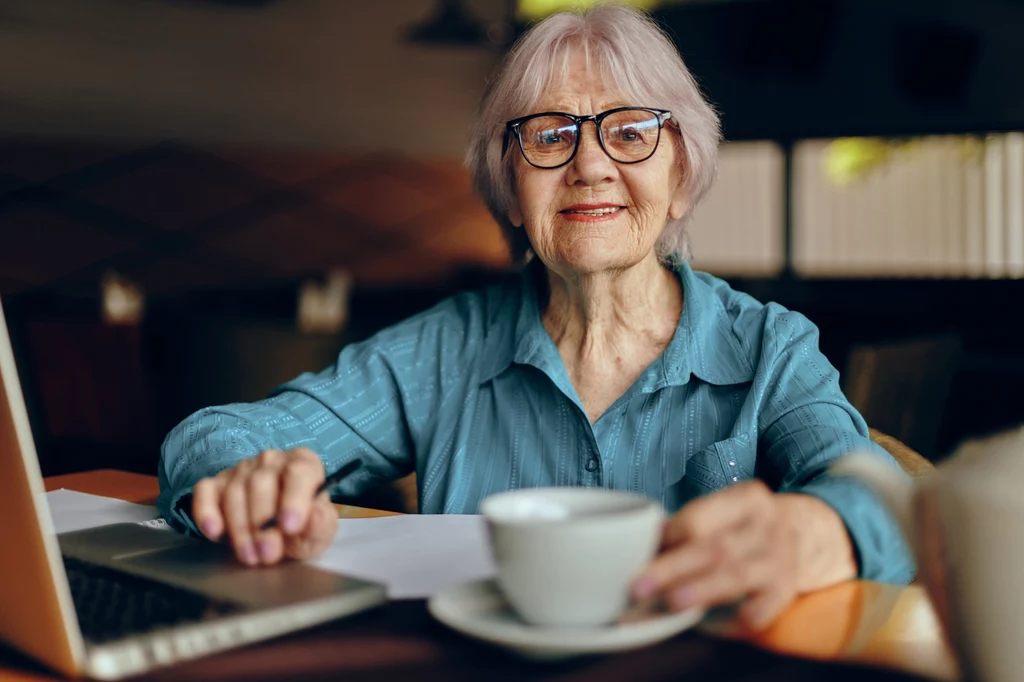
column 857, row 622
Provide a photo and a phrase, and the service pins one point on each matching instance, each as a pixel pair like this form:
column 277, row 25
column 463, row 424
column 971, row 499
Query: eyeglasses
column 551, row 139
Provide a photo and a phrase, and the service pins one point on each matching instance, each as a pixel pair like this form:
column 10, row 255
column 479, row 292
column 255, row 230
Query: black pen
column 334, row 478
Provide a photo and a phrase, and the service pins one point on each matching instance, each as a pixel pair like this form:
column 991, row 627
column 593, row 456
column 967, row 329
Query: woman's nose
column 591, row 165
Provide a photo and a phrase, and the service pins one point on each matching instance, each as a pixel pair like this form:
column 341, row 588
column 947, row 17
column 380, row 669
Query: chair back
column 901, row 388
column 910, row 461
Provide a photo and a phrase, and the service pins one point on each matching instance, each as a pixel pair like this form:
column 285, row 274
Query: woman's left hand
column 745, row 543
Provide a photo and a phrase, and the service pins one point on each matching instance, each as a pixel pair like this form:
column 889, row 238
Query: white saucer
column 479, row 610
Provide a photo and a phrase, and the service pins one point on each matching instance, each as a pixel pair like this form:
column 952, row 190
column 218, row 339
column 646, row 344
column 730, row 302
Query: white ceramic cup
column 568, row 556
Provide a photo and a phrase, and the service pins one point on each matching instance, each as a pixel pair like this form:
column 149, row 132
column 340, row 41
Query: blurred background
column 200, row 199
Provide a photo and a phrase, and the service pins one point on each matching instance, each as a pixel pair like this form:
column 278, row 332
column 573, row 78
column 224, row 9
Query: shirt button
column 735, row 478
column 592, row 464
column 732, row 464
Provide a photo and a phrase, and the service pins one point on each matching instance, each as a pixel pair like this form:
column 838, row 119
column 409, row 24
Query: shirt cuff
column 182, row 513
column 175, row 505
column 881, row 550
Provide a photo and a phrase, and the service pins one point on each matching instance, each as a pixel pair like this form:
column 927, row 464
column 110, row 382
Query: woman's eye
column 555, row 136
column 630, row 135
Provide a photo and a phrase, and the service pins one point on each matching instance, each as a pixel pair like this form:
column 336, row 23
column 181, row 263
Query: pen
column 334, row 478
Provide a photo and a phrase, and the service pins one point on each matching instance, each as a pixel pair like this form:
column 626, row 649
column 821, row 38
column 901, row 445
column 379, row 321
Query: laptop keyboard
column 111, row 604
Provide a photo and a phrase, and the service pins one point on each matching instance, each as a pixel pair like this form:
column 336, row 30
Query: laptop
column 121, row 599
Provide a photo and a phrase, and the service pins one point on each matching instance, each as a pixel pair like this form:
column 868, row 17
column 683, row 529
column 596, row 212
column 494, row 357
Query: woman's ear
column 680, row 203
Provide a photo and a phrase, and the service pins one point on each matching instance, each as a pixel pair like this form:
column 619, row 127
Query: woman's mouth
column 591, row 212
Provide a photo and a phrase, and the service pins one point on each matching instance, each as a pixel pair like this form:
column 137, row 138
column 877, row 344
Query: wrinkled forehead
column 580, row 67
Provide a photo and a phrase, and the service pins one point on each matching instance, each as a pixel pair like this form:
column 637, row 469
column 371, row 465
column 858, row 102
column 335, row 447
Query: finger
column 262, row 487
column 712, row 514
column 722, row 584
column 321, row 525
column 262, row 495
column 700, row 539
column 206, row 513
column 235, row 507
column 687, row 562
column 299, row 482
column 764, row 607
column 305, row 453
column 270, row 546
column 677, row 565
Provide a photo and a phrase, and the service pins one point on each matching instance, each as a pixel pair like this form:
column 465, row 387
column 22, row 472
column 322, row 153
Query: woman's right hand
column 238, row 501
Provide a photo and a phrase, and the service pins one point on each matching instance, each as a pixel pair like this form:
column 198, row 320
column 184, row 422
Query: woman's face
column 593, row 214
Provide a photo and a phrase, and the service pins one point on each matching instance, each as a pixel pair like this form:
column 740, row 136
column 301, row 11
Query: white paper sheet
column 415, row 556
column 72, row 510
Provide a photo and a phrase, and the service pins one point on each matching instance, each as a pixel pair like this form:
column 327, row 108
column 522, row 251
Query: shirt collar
column 514, row 335
column 705, row 344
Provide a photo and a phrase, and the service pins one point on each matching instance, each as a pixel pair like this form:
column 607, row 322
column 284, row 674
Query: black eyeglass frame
column 512, row 128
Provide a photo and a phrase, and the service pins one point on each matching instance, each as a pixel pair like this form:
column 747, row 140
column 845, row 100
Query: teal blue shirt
column 473, row 396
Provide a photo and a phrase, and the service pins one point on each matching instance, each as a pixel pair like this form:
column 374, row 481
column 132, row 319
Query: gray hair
column 632, row 52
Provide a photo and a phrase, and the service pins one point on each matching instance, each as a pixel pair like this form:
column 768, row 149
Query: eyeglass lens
column 627, row 136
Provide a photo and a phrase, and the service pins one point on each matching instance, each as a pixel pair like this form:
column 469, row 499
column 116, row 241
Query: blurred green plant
column 850, row 160
column 532, row 10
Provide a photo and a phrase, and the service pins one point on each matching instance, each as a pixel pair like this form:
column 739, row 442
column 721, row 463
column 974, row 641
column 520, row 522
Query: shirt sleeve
column 352, row 409
column 805, row 424
column 375, row 403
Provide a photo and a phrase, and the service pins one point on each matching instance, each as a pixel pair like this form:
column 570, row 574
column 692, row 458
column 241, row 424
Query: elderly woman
column 608, row 363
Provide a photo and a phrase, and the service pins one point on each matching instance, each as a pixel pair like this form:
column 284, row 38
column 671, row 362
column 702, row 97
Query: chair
column 901, row 387
column 912, row 463
column 399, row 495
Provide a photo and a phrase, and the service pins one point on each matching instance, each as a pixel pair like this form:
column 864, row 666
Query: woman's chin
column 594, row 256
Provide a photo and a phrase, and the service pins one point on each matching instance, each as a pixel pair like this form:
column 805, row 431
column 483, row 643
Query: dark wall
column 786, row 69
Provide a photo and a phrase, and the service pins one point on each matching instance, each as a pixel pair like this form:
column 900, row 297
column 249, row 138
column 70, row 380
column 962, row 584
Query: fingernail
column 266, row 550
column 645, row 587
column 209, row 528
column 683, row 598
column 290, row 521
column 249, row 557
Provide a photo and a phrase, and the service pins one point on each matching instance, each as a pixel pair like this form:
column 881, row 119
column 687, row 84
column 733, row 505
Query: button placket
column 590, row 454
